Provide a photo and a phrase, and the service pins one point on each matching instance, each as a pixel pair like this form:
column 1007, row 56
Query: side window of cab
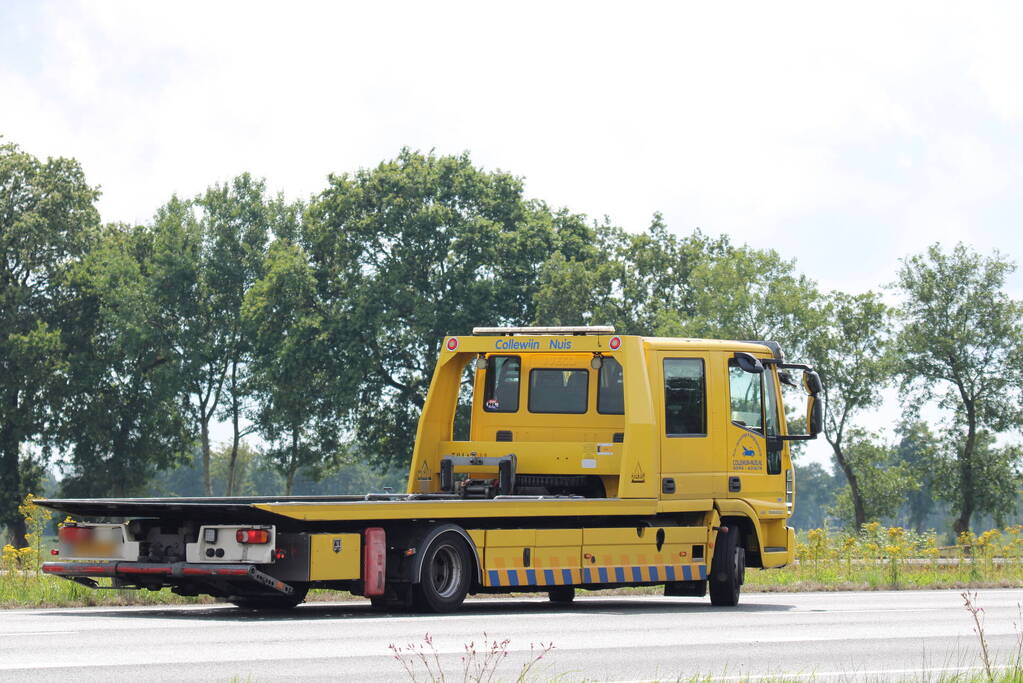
column 501, row 393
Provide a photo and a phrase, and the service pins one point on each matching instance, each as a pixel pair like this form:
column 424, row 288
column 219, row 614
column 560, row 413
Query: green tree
column 849, row 349
column 651, row 276
column 816, row 488
column 239, row 219
column 122, row 418
column 290, row 379
column 961, row 344
column 883, row 482
column 47, row 216
column 208, row 253
column 747, row 293
column 1000, row 467
column 415, row 249
column 919, row 449
column 569, row 292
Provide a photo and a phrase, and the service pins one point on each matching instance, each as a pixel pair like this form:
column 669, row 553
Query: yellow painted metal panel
column 451, row 509
column 685, row 534
column 531, row 344
column 505, row 538
column 335, row 557
column 504, row 557
column 478, row 537
column 609, row 555
column 677, row 553
column 556, row 557
column 640, row 468
column 628, row 535
column 698, row 505
column 556, row 537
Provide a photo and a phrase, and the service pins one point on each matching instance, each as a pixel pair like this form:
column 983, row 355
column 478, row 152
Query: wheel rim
column 446, row 571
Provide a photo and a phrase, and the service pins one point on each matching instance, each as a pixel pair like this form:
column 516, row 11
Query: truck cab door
column 755, row 456
column 689, row 425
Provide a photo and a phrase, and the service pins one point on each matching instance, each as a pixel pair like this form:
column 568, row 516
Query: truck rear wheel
column 444, row 579
column 727, row 568
column 561, row 594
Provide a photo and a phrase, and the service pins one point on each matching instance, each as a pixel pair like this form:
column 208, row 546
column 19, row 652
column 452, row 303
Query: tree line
column 314, row 325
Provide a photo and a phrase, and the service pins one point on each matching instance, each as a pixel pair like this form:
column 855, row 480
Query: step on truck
column 590, row 460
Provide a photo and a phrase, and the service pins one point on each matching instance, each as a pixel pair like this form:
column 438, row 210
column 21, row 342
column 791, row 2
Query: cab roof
column 589, row 339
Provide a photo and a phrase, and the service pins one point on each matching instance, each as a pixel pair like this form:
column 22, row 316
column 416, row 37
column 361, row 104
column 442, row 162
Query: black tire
column 271, row 601
column 445, row 576
column 561, row 594
column 727, row 569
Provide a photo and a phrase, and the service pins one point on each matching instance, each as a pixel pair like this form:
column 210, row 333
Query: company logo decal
column 747, row 456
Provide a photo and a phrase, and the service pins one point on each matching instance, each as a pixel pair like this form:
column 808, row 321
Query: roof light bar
column 579, row 329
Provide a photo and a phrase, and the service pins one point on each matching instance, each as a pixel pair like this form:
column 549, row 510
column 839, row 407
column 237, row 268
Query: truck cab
column 690, row 423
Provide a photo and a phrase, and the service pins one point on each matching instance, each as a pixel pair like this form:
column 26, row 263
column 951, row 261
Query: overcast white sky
column 845, row 136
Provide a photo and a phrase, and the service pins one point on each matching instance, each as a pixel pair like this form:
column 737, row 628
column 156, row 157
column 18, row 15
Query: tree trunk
column 967, row 497
column 859, row 513
column 10, row 488
column 10, row 478
column 235, row 432
column 119, row 454
column 289, row 483
column 204, row 435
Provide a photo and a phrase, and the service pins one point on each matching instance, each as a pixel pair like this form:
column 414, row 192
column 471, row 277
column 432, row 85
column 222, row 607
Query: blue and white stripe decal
column 584, row 575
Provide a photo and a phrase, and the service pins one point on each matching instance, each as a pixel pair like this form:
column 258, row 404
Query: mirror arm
column 785, row 366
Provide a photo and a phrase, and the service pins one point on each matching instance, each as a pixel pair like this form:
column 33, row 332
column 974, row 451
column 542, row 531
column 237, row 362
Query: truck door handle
column 525, row 557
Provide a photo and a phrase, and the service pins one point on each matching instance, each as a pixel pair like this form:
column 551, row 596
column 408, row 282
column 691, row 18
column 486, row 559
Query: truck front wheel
column 444, row 579
column 727, row 568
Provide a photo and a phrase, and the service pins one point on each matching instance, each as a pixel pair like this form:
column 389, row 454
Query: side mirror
column 813, row 388
column 814, row 414
column 811, row 382
column 747, row 362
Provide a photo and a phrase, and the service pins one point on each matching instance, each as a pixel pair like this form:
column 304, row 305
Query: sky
column 845, row 136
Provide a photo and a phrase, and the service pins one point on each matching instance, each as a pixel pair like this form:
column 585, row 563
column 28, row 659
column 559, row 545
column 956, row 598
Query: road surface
column 823, row 636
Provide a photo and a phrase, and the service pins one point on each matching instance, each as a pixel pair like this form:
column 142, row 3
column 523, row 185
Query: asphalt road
column 823, row 636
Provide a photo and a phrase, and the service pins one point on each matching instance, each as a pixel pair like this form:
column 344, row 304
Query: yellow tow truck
column 592, row 460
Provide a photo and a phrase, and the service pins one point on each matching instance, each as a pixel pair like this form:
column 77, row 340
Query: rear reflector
column 252, row 536
column 374, row 562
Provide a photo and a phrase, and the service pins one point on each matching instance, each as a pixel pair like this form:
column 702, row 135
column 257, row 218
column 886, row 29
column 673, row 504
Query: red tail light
column 252, row 536
column 74, row 534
